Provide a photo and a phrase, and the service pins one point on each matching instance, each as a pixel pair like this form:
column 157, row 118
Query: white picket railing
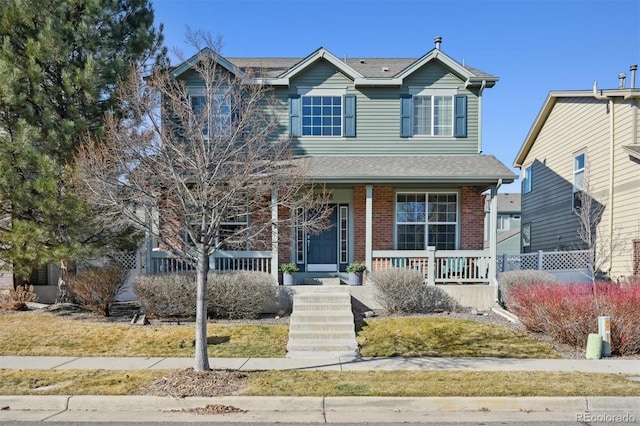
column 438, row 266
column 163, row 262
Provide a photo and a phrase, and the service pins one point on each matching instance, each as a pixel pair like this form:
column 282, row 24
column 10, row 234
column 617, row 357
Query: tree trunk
column 202, row 356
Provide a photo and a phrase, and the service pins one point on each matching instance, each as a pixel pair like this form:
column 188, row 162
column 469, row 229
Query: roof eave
column 458, row 180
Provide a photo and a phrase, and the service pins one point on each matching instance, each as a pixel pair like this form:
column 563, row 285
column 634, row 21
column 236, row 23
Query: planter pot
column 287, row 278
column 355, row 278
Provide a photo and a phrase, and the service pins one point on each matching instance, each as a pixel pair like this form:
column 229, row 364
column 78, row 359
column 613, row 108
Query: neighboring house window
column 578, row 180
column 503, row 223
column 527, row 176
column 525, row 234
column 322, row 116
column 433, row 115
column 215, row 112
column 426, row 219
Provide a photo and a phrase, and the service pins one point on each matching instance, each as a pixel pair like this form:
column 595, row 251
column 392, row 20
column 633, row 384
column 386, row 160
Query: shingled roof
column 458, row 169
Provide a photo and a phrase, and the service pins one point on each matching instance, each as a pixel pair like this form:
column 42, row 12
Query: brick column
column 471, row 218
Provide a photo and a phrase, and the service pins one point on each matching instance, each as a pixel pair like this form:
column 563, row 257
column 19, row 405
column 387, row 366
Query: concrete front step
column 321, row 335
column 322, row 281
column 321, row 323
column 323, row 298
column 321, row 327
column 322, row 307
column 314, row 345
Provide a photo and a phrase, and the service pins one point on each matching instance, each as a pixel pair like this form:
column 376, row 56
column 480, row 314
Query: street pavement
column 318, row 410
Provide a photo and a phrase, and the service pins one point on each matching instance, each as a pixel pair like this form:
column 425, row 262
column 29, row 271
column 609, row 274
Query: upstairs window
column 433, row 115
column 527, row 175
column 214, row 111
column 578, row 180
column 322, row 116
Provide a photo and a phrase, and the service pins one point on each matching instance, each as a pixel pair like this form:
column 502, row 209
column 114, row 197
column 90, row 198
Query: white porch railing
column 163, row 262
column 438, row 266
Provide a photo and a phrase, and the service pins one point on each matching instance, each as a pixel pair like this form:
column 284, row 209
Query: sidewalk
column 605, row 365
column 265, row 410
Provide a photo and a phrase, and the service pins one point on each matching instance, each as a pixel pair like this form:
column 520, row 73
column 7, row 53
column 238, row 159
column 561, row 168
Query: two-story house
column 398, row 143
column 585, row 141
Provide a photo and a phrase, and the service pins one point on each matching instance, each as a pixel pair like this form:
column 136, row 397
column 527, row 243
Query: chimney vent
column 438, row 41
column 622, row 76
column 633, row 70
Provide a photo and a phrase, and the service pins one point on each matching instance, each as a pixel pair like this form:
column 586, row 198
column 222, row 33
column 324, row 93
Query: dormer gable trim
column 195, row 59
column 320, row 53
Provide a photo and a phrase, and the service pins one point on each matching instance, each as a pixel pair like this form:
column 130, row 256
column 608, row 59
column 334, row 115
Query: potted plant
column 355, row 270
column 287, row 272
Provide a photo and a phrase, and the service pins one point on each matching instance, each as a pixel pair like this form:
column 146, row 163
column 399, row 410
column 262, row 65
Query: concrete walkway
column 605, row 365
column 271, row 410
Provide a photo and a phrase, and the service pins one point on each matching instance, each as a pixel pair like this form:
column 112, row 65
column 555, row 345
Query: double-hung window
column 527, row 175
column 578, row 180
column 212, row 110
column 433, row 113
column 318, row 114
column 426, row 219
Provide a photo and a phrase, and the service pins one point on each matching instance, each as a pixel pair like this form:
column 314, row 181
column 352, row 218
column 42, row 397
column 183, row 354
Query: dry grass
column 75, row 382
column 446, row 337
column 438, row 383
column 38, row 333
column 330, row 383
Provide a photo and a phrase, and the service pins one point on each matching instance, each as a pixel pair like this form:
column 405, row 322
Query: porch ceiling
column 423, row 169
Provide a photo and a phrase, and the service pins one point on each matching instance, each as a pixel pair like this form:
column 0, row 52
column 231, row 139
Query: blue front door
column 322, row 248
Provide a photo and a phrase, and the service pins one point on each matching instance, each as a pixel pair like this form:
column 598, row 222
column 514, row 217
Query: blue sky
column 534, row 46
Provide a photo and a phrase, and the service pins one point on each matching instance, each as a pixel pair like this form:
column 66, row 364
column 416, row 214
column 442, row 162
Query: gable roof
column 550, row 102
column 363, row 71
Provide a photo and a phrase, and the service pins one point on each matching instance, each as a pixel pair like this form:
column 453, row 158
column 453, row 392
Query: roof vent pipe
column 622, row 76
column 633, row 70
column 438, row 40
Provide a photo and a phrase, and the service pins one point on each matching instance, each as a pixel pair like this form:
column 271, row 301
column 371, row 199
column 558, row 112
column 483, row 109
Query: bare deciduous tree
column 190, row 161
column 591, row 232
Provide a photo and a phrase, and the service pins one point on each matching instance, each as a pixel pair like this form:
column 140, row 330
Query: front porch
column 463, row 274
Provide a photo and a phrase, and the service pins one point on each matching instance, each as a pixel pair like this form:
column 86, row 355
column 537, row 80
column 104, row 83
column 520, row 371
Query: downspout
column 493, row 238
column 611, row 109
column 482, row 86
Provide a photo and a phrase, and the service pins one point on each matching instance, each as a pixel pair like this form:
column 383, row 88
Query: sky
column 534, row 46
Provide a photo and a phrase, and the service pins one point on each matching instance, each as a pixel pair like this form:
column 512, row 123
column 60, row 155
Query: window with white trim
column 433, row 115
column 212, row 110
column 578, row 180
column 322, row 116
column 426, row 219
column 527, row 175
column 231, row 233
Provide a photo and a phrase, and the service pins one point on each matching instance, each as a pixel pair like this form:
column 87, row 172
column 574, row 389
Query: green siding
column 377, row 115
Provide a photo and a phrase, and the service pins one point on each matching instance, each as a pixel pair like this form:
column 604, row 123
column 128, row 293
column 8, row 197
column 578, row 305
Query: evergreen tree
column 61, row 63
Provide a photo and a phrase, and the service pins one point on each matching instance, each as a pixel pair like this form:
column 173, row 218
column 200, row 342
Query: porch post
column 274, row 234
column 493, row 238
column 431, row 265
column 368, row 245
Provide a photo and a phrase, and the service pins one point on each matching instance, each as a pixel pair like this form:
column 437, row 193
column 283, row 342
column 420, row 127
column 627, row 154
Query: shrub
column 17, row 299
column 402, row 290
column 167, row 296
column 508, row 279
column 568, row 312
column 96, row 287
column 239, row 295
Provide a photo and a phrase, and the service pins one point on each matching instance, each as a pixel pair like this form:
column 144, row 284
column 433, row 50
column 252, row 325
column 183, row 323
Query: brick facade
column 471, row 219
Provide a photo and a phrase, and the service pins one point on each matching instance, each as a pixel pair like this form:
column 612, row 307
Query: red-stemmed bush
column 569, row 312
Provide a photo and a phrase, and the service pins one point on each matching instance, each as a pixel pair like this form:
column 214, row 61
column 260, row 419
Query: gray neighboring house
column 584, row 136
column 508, row 223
